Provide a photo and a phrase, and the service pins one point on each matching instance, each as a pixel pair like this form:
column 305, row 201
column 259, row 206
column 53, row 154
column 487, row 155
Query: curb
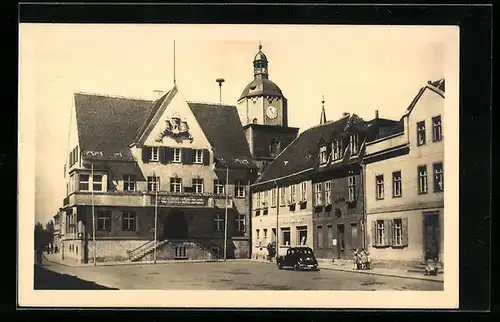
column 381, row 274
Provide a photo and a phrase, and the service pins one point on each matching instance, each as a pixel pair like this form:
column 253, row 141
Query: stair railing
column 139, row 249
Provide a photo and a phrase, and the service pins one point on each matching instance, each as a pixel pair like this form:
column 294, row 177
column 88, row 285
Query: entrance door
column 431, row 234
column 175, row 225
column 341, row 241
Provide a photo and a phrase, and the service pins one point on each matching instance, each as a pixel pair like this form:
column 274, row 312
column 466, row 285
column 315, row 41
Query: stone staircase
column 145, row 250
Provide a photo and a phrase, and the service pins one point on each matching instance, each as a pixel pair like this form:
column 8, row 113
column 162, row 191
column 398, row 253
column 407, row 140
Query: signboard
column 179, row 200
column 293, row 220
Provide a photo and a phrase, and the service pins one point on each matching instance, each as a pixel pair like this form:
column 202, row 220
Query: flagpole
column 156, row 215
column 93, row 211
column 225, row 216
column 277, row 223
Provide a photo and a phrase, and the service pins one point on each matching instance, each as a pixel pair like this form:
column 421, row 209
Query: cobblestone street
column 231, row 275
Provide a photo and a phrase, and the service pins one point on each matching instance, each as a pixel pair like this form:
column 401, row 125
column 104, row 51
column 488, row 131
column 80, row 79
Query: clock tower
column 263, row 111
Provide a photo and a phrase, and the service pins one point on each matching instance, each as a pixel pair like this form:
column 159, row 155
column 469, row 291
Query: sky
column 358, row 69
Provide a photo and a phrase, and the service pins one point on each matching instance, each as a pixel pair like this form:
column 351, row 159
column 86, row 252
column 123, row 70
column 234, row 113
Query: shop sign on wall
column 179, row 200
column 293, row 220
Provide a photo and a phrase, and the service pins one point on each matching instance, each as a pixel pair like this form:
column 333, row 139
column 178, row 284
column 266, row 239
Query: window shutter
column 404, row 223
column 374, row 233
column 108, row 214
column 387, row 232
column 187, row 156
column 136, row 222
column 145, row 154
column 206, row 157
column 390, row 232
column 162, row 154
column 169, row 154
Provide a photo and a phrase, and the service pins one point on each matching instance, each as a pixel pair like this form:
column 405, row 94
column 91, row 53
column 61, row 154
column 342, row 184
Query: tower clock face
column 272, row 112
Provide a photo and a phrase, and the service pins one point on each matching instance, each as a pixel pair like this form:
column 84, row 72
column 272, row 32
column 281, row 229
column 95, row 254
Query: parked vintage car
column 298, row 258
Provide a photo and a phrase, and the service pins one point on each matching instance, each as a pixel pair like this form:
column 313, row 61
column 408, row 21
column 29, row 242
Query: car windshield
column 305, row 251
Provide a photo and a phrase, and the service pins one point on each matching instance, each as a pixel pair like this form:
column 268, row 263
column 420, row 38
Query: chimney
column 376, row 114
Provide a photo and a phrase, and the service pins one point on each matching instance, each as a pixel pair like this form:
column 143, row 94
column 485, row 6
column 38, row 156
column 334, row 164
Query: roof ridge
column 210, row 103
column 113, row 96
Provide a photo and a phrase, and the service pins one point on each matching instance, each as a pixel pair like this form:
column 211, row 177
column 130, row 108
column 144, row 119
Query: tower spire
column 323, row 113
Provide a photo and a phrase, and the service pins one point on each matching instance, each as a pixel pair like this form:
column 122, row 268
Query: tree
column 40, row 239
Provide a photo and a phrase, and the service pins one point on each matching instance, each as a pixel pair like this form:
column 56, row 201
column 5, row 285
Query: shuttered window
column 390, row 232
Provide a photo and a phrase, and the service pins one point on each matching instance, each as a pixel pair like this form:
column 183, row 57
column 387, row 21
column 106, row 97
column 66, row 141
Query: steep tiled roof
column 222, row 127
column 108, row 124
column 302, row 153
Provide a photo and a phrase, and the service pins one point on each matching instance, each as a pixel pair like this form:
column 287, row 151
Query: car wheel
column 296, row 267
column 280, row 266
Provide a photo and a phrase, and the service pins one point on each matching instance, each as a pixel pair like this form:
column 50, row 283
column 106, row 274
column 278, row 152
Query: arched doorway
column 175, row 225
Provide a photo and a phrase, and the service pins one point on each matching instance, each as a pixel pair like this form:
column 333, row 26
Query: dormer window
column 337, row 149
column 353, row 143
column 323, row 155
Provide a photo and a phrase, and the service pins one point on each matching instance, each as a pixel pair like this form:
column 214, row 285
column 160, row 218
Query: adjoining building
column 133, row 160
column 337, row 182
column 405, row 183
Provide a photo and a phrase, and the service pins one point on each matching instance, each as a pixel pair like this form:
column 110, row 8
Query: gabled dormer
column 324, row 152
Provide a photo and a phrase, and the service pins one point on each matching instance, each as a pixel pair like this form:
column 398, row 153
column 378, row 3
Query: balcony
column 388, row 143
column 145, row 199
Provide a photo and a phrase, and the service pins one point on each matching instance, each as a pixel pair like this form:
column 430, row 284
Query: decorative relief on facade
column 175, row 128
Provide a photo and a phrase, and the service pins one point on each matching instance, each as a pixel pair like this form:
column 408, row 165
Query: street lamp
column 93, row 211
column 225, row 215
column 220, row 81
column 156, row 214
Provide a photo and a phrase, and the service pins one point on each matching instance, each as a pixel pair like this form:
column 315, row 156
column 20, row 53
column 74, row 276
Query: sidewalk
column 56, row 258
column 346, row 266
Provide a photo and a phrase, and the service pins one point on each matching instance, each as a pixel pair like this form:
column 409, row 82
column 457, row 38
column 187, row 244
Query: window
column 354, row 235
column 128, row 183
column 72, row 182
column 198, row 156
column 397, row 185
column 438, row 177
column 257, row 200
column 337, row 149
column 323, row 155
column 421, row 133
column 219, row 222
column 218, row 187
column 380, row 237
column 198, row 185
column 97, row 182
column 153, row 184
column 292, row 194
column 153, row 153
column 318, row 200
column 422, row 179
column 437, row 131
column 353, row 143
column 265, row 235
column 240, row 223
column 303, row 191
column 177, row 155
column 239, row 187
column 265, row 196
column 257, row 236
column 302, row 235
column 176, row 185
column 285, row 236
column 380, row 186
column 398, row 232
column 128, row 221
column 319, row 236
column 273, row 197
column 328, row 193
column 83, row 184
column 352, row 188
column 104, row 221
column 274, row 147
column 282, row 196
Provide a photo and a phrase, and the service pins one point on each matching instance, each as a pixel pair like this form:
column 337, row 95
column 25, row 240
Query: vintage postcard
column 227, row 166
